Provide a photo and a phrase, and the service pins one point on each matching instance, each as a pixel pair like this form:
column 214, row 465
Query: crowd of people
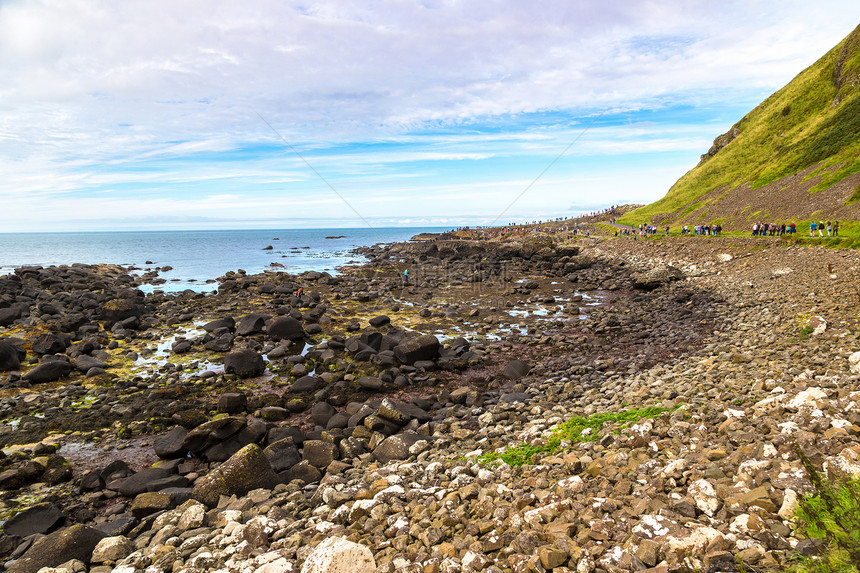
column 831, row 227
column 713, row 230
column 773, row 229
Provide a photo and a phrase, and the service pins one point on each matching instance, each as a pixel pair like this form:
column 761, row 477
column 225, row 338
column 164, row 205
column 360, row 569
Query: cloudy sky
column 205, row 114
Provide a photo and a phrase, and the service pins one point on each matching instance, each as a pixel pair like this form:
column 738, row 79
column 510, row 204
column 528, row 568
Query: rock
column 338, row 555
column 319, row 453
column 397, row 447
column 657, row 277
column 251, row 324
column 285, row 328
column 516, row 369
column 370, row 383
column 150, row 502
column 246, row 470
column 424, row 347
column 244, row 363
column 705, row 496
column 9, row 359
column 226, row 322
column 48, row 371
column 112, row 549
column 119, row 309
column 321, row 413
column 232, row 402
column 139, row 482
column 50, row 344
column 85, row 362
column 379, row 321
column 40, row 518
column 75, row 542
column 303, row 471
column 282, row 455
column 305, row 384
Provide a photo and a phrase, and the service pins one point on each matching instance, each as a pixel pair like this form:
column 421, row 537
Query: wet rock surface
column 242, row 430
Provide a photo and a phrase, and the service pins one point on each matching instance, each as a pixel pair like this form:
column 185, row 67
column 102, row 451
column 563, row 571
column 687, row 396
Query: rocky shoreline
column 268, row 428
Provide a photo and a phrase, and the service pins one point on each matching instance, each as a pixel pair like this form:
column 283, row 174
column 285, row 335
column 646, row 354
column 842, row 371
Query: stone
column 150, row 502
column 321, row 413
column 319, row 453
column 9, row 359
column 170, row 445
column 339, row 555
column 244, row 363
column 246, row 470
column 397, row 447
column 139, row 482
column 232, row 402
column 285, row 328
column 226, row 322
column 379, row 321
column 48, row 371
column 282, row 455
column 75, row 542
column 39, row 518
column 251, row 324
column 424, row 347
column 370, row 383
column 305, row 384
column 705, row 496
column 515, row 370
column 112, row 549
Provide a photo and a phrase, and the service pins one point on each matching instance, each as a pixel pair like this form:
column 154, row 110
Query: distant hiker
column 300, row 292
column 835, row 228
column 829, row 228
column 406, row 277
column 812, row 227
column 821, row 228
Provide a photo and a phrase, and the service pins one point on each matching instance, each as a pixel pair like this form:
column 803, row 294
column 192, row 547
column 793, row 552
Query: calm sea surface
column 197, row 256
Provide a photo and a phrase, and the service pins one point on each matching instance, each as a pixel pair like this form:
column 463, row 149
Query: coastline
column 527, row 334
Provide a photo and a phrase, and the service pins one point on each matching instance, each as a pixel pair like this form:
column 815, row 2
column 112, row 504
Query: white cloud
column 165, row 95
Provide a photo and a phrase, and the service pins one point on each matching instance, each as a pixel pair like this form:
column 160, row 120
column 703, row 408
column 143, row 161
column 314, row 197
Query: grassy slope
column 795, row 128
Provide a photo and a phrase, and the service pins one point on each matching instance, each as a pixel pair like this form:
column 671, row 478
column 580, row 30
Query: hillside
column 794, row 157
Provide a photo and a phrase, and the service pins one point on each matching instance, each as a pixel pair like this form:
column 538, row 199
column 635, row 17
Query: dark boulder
column 9, row 358
column 305, row 384
column 424, row 347
column 516, row 369
column 50, row 344
column 221, row 344
column 379, row 321
column 139, row 482
column 232, row 402
column 75, row 542
column 40, row 518
column 251, row 324
column 319, row 453
column 244, row 363
column 170, row 445
column 285, row 328
column 84, row 362
column 118, row 309
column 321, row 413
column 247, row 470
column 48, row 371
column 657, row 277
column 226, row 322
column 283, row 454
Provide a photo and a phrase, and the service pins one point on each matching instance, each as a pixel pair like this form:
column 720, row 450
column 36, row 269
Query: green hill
column 794, row 157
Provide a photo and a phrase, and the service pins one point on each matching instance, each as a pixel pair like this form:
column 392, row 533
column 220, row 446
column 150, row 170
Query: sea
column 200, row 256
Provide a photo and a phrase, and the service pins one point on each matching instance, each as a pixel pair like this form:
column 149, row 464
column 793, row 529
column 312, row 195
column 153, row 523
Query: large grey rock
column 319, row 453
column 75, row 542
column 169, row 445
column 9, row 359
column 516, row 369
column 282, row 455
column 139, row 482
column 251, row 324
column 246, row 470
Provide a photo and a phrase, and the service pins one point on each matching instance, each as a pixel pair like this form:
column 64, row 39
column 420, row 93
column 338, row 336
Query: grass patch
column 831, row 515
column 577, row 429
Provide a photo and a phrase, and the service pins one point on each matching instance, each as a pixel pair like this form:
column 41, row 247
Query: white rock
column 192, row 517
column 112, row 549
column 338, row 555
column 789, row 505
column 705, row 496
column 280, row 565
column 854, row 362
column 810, row 397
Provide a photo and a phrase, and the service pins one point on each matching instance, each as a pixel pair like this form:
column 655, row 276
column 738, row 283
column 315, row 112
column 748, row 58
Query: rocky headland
column 289, row 423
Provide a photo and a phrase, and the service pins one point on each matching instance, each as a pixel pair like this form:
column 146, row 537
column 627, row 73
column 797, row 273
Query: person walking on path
column 812, row 227
column 835, row 228
column 829, row 228
column 821, row 228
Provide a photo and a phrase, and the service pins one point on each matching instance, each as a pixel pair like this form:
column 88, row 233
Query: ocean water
column 198, row 256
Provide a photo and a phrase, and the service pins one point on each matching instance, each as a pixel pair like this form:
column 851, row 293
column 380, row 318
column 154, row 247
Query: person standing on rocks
column 406, row 277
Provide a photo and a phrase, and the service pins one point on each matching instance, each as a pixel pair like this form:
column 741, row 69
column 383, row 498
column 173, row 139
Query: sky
column 276, row 114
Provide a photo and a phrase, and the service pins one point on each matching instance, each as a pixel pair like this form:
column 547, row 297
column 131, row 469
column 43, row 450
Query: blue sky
column 147, row 114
